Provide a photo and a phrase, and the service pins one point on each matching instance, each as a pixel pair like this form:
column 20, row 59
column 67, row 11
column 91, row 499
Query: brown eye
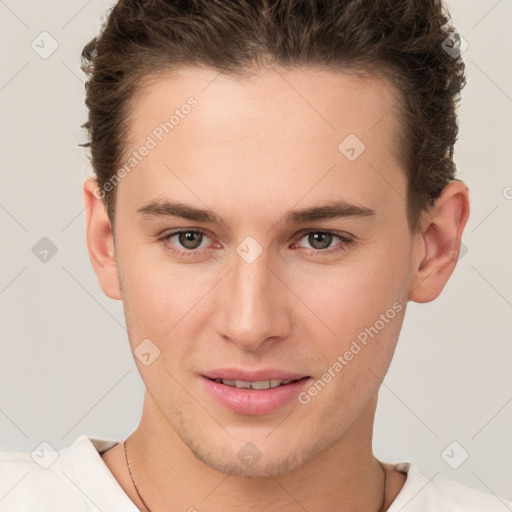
column 185, row 241
column 323, row 242
column 190, row 239
column 320, row 240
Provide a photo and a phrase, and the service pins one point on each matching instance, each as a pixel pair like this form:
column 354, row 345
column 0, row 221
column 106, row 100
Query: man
column 273, row 183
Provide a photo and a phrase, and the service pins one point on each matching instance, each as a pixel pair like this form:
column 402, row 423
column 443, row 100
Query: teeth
column 242, row 384
column 262, row 384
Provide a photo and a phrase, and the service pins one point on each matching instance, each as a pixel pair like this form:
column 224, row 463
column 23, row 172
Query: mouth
column 254, row 397
column 257, row 385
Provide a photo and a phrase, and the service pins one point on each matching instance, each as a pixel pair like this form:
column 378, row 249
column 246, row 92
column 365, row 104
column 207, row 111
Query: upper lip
column 253, row 376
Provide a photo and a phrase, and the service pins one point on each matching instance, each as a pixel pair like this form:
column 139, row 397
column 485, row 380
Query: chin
column 263, row 458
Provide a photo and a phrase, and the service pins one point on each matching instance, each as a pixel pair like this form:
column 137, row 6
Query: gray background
column 66, row 368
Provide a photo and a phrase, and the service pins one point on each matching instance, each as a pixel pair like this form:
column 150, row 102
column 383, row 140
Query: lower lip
column 254, row 401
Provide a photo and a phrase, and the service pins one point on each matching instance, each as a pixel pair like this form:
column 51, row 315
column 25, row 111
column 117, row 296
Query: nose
column 255, row 306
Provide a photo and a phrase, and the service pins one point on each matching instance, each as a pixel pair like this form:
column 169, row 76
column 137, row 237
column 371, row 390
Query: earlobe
column 438, row 246
column 100, row 240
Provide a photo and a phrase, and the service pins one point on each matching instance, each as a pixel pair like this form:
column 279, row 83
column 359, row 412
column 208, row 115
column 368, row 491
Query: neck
column 342, row 476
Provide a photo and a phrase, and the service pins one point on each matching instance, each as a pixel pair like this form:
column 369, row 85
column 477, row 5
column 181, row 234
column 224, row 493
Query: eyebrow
column 330, row 210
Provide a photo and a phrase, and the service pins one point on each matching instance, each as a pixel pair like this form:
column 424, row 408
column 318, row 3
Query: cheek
column 354, row 294
column 158, row 305
column 364, row 307
column 153, row 293
column 162, row 300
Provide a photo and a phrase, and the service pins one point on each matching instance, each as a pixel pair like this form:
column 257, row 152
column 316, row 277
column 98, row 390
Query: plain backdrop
column 66, row 367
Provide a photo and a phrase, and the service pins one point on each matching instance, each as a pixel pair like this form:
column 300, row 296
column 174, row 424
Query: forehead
column 281, row 130
column 324, row 101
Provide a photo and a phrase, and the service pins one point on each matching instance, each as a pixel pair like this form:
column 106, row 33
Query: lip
column 252, row 376
column 254, row 402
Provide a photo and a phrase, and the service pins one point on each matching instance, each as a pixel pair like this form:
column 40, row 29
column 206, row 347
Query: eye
column 189, row 239
column 320, row 241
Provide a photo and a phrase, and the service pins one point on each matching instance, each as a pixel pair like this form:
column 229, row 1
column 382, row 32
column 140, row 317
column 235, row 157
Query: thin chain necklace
column 131, row 475
column 381, row 509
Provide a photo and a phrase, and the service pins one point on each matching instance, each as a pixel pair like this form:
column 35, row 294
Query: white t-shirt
column 75, row 479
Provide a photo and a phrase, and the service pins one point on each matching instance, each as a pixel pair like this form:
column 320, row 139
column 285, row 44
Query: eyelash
column 345, row 241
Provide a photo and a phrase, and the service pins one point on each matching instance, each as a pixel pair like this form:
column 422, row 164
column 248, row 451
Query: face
column 263, row 284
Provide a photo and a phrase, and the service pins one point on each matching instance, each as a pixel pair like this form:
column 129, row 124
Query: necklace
column 131, row 475
column 381, row 509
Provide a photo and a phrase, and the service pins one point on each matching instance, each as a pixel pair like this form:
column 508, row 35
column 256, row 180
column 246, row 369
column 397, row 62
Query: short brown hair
column 401, row 40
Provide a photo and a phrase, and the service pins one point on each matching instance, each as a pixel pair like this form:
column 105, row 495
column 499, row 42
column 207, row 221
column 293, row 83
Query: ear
column 100, row 241
column 437, row 248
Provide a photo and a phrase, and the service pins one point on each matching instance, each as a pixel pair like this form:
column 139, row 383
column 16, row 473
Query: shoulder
column 35, row 481
column 421, row 493
column 47, row 479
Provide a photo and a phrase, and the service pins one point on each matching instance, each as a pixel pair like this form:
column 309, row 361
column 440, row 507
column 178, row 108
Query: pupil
column 325, row 240
column 188, row 239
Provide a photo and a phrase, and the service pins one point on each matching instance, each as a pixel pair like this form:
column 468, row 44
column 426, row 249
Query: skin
column 250, row 151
